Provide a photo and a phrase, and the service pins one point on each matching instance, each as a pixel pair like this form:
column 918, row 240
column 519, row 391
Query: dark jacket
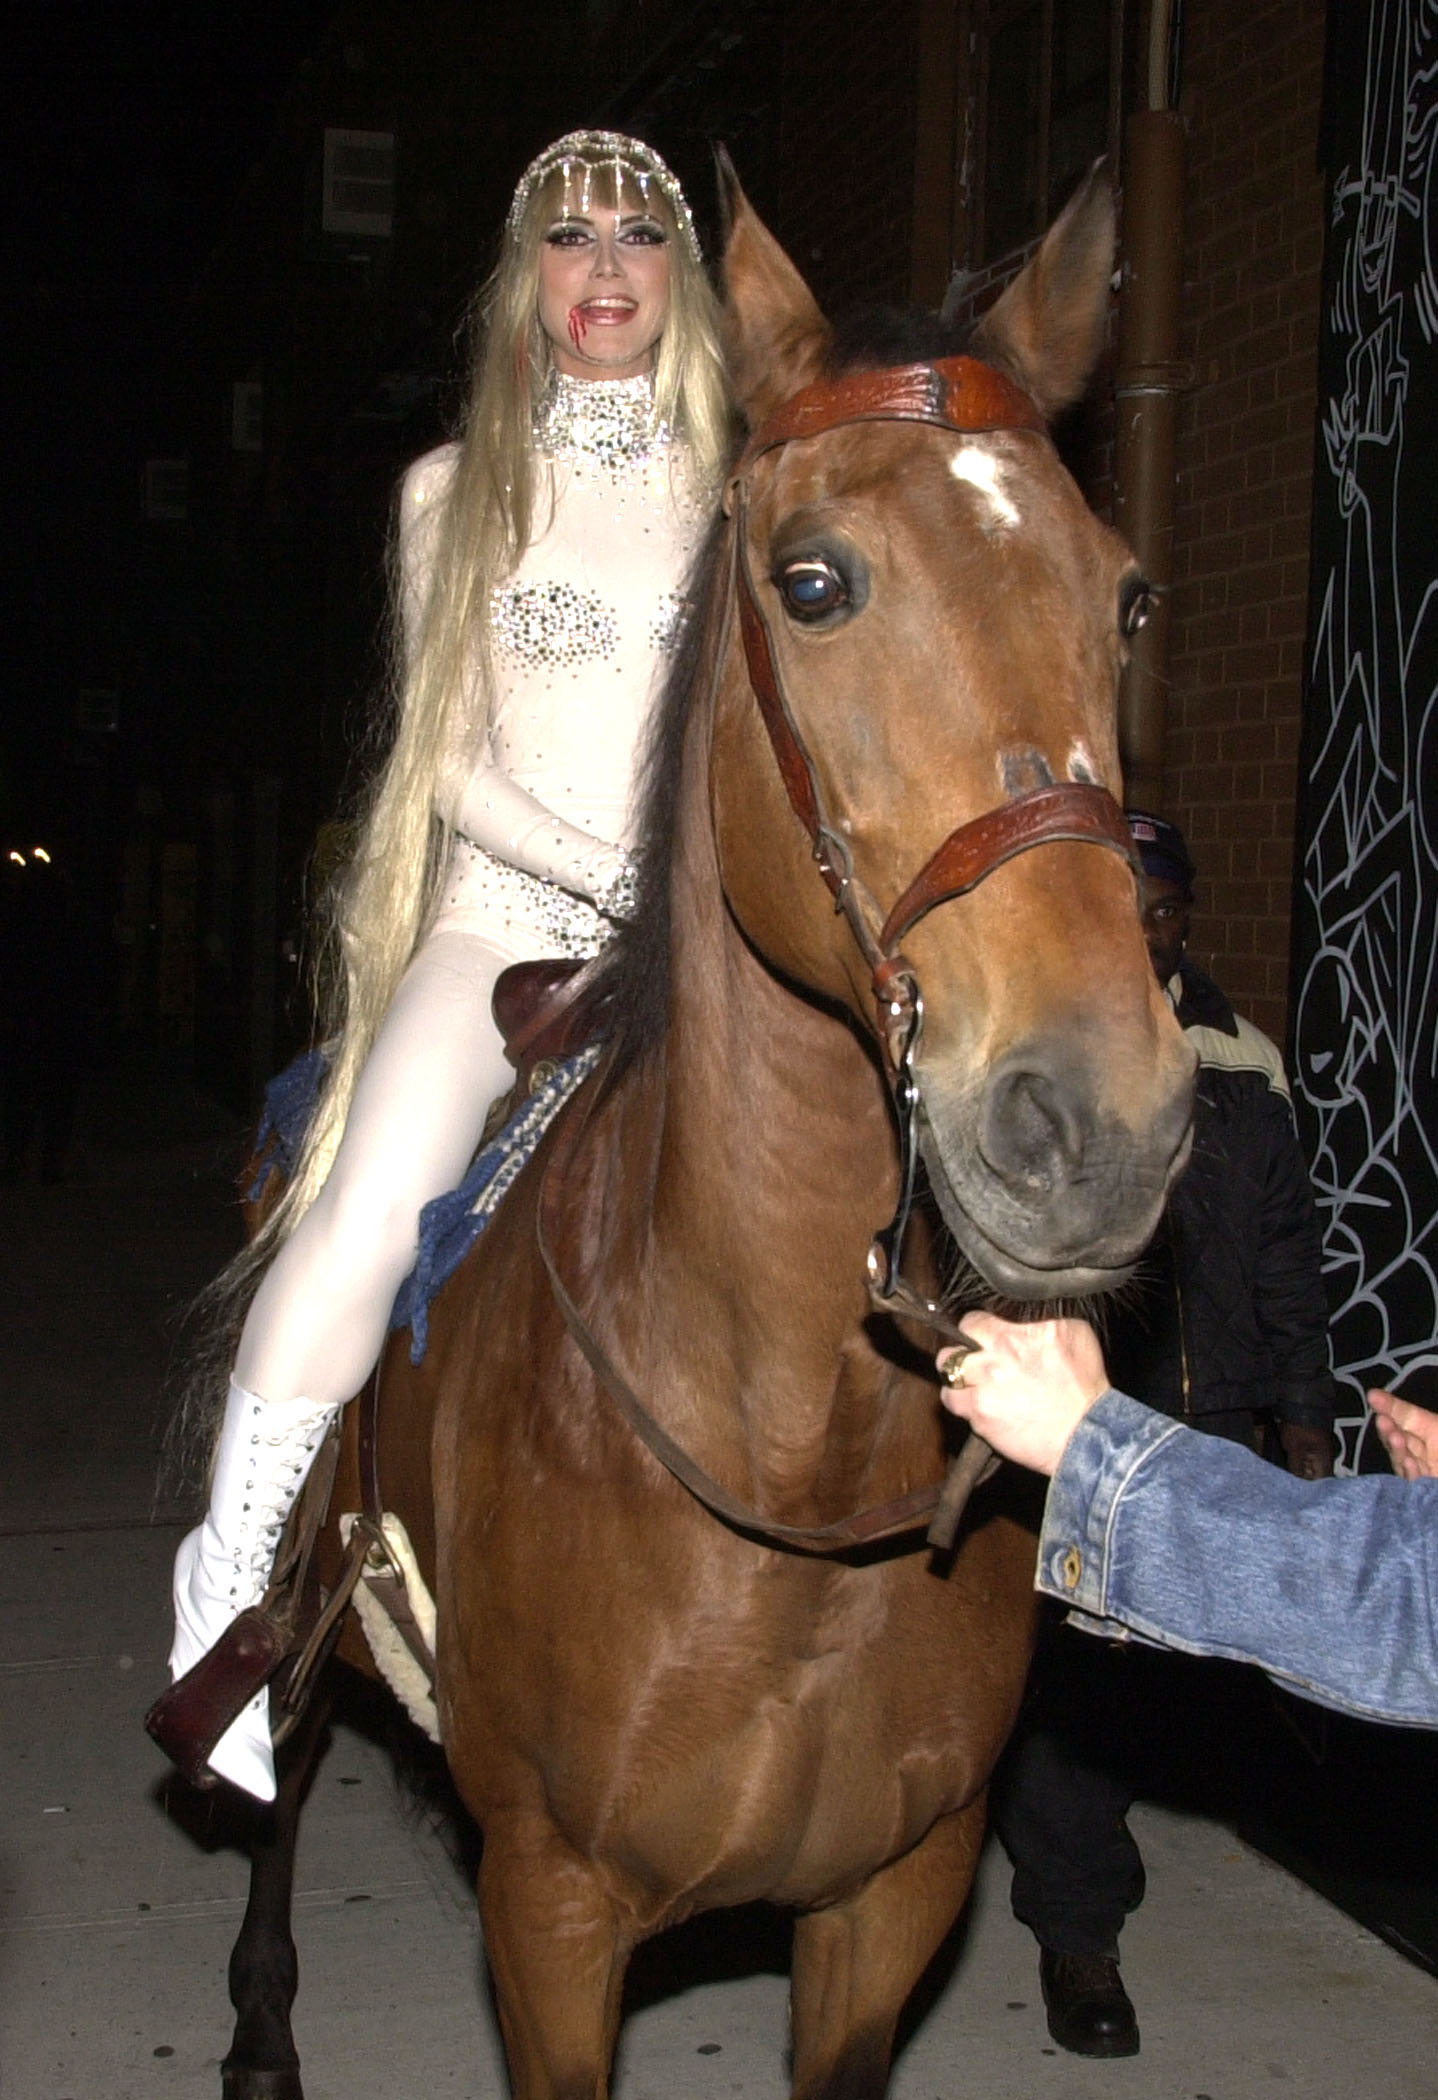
column 1229, row 1311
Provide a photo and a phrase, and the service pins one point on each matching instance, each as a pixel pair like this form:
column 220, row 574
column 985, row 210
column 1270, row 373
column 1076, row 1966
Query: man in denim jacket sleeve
column 1330, row 1586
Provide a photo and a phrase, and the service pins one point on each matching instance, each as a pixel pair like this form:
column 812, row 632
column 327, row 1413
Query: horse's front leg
column 264, row 1972
column 855, row 1963
column 558, row 1948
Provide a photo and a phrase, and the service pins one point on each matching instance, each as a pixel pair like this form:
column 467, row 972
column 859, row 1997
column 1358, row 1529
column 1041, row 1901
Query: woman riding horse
column 677, row 1667
column 542, row 560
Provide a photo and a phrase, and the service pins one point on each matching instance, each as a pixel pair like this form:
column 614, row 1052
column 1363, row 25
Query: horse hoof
column 236, row 2083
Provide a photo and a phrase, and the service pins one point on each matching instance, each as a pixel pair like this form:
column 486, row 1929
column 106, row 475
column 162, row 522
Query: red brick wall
column 1252, row 258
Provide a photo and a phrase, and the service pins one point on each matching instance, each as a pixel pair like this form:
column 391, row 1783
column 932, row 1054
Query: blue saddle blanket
column 450, row 1225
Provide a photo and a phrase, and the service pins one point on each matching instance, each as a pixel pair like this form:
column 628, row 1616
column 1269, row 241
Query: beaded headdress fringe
column 583, row 152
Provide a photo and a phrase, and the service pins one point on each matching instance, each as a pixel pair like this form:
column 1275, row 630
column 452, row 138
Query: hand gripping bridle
column 965, row 396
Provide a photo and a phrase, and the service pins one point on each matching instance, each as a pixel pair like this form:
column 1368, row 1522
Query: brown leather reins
column 866, row 1528
column 962, row 395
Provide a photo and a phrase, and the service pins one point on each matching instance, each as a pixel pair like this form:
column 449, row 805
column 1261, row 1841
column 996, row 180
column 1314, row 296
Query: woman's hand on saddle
column 1409, row 1433
column 1026, row 1386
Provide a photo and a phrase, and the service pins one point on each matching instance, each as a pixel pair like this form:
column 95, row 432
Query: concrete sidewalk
column 122, row 1892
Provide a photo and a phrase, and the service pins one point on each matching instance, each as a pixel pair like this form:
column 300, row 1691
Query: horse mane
column 873, row 338
column 634, row 992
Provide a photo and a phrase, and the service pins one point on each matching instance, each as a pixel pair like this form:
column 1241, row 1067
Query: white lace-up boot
column 265, row 1451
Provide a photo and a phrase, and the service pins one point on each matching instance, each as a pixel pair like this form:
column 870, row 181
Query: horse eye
column 811, row 588
column 1136, row 603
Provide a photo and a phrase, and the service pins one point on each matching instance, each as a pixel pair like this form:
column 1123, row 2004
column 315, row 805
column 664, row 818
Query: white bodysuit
column 581, row 634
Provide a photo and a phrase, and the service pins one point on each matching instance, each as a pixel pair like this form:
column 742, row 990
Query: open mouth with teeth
column 599, row 313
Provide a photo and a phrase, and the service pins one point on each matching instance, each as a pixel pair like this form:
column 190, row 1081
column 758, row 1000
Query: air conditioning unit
column 358, row 184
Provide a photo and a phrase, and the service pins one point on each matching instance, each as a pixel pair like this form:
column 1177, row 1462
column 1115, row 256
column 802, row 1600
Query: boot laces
column 267, row 1505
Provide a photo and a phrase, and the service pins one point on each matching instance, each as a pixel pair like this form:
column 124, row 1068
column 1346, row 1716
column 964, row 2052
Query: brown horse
column 651, row 1712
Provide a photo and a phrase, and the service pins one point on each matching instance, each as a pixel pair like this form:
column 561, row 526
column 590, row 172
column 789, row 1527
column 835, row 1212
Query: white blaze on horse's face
column 983, row 472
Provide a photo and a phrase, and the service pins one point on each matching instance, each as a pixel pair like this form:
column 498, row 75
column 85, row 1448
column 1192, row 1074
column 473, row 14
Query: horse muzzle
column 1049, row 1189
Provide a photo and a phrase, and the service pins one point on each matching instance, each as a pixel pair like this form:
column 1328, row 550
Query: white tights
column 319, row 1319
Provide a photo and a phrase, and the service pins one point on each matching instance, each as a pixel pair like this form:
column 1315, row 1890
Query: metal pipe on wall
column 1149, row 382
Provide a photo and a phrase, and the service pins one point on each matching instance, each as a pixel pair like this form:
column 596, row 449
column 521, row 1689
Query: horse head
column 940, row 622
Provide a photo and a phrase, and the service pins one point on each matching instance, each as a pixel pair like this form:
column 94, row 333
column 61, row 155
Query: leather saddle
column 546, row 1012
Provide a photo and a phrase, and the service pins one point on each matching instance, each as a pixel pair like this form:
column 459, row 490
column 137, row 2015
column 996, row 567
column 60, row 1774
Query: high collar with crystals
column 610, row 421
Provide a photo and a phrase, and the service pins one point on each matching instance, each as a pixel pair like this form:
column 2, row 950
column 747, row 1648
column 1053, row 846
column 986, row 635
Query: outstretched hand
column 1409, row 1433
column 1027, row 1385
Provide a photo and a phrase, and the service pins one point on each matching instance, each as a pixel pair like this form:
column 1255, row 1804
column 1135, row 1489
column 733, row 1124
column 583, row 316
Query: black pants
column 1102, row 1723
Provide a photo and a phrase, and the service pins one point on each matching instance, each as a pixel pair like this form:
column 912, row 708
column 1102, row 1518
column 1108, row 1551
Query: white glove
column 614, row 884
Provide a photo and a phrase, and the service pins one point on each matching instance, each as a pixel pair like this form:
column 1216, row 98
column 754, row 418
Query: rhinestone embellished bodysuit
column 581, row 636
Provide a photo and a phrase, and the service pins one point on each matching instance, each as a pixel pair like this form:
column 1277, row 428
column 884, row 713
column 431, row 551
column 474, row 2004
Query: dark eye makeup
column 635, row 233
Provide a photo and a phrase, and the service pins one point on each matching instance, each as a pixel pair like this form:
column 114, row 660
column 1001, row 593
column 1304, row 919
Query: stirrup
column 188, row 1720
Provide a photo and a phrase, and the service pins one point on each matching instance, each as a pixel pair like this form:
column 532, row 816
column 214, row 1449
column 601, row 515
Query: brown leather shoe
column 1089, row 2010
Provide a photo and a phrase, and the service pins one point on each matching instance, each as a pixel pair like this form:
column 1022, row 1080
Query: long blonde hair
column 486, row 521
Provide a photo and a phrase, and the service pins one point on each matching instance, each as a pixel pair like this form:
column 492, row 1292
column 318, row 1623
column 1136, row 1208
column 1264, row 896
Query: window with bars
column 358, row 184
column 1044, row 102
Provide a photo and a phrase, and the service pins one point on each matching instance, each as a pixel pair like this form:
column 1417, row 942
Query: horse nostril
column 1030, row 1135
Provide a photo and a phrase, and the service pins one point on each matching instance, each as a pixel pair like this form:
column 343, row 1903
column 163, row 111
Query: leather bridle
column 963, row 395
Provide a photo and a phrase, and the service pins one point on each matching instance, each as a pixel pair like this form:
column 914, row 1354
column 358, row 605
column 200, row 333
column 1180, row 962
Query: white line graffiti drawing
column 1368, row 999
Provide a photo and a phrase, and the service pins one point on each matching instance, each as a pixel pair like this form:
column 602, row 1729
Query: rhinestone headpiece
column 580, row 153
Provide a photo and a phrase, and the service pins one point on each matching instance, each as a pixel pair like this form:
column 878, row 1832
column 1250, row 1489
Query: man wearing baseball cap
column 1227, row 1330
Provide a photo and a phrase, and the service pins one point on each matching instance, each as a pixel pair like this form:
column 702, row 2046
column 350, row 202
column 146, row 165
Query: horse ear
column 1048, row 328
column 775, row 337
